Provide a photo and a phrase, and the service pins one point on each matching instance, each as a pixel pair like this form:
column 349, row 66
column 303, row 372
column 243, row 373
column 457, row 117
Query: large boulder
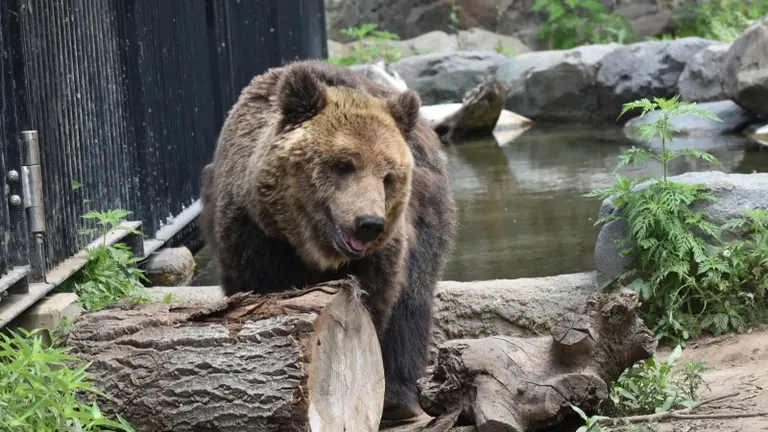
column 644, row 69
column 702, row 78
column 555, row 85
column 446, row 77
column 734, row 120
column 733, row 192
column 746, row 69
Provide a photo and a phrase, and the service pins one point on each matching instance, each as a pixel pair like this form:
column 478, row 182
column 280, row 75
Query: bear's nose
column 368, row 228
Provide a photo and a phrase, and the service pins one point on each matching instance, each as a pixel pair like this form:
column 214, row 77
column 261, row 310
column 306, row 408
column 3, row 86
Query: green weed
column 38, row 390
column 371, row 45
column 648, row 387
column 503, row 49
column 654, row 385
column 111, row 274
column 723, row 20
column 571, row 23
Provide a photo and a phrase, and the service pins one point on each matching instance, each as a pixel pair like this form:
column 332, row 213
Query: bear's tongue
column 357, row 245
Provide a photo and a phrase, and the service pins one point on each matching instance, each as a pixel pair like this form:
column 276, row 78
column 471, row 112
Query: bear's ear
column 404, row 108
column 300, row 97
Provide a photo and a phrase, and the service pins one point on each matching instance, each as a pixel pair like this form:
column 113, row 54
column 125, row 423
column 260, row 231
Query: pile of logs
column 309, row 360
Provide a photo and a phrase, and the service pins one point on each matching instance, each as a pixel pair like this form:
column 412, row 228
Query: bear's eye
column 389, row 179
column 344, row 168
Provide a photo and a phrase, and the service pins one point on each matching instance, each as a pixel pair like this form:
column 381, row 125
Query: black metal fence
column 127, row 97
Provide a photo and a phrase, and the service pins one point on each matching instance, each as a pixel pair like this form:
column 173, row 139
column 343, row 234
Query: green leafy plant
column 503, row 49
column 454, row 15
column 692, row 380
column 664, row 128
column 110, row 274
column 723, row 20
column 371, row 45
column 39, row 391
column 654, row 385
column 591, row 423
column 689, row 279
column 571, row 23
column 455, row 24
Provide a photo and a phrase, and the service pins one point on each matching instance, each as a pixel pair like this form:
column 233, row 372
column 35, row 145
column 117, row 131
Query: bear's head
column 341, row 176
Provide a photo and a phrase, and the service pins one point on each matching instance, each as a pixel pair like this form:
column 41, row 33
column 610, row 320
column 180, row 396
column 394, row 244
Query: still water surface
column 522, row 210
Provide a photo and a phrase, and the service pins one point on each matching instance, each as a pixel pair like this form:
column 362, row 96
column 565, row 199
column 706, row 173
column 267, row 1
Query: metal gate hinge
column 32, row 181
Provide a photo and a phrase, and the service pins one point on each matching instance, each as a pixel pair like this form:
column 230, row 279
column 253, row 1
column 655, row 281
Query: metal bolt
column 13, row 175
column 15, row 200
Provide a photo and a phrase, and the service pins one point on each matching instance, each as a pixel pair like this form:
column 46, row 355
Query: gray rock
column 429, row 43
column 555, row 85
column 702, row 78
column 734, row 119
column 746, row 69
column 446, row 77
column 337, row 49
column 644, row 69
column 477, row 39
column 516, row 307
column 170, row 267
column 734, row 193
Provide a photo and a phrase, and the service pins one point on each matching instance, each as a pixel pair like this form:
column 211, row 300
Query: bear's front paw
column 395, row 414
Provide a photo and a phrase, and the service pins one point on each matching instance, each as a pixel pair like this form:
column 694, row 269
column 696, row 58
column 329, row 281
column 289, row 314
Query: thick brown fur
column 281, row 180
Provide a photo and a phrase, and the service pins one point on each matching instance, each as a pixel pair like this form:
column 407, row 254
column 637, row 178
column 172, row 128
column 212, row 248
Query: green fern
column 689, row 278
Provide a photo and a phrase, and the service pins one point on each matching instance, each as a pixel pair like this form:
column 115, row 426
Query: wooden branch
column 684, row 414
column 298, row 361
column 479, row 113
column 520, row 384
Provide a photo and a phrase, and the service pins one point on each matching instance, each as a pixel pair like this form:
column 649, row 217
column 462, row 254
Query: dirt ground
column 739, row 364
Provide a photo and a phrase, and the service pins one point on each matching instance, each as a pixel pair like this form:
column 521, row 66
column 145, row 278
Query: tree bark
column 479, row 113
column 281, row 362
column 522, row 384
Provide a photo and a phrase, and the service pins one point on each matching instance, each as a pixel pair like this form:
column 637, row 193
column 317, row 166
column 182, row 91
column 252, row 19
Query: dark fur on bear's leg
column 405, row 345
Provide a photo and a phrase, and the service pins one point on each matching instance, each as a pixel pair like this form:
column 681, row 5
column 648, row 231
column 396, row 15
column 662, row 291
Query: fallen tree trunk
column 521, row 384
column 282, row 362
column 479, row 113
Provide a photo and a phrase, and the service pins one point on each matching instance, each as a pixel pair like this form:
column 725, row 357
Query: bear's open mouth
column 347, row 245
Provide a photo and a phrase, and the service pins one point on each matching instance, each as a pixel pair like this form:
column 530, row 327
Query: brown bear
column 319, row 173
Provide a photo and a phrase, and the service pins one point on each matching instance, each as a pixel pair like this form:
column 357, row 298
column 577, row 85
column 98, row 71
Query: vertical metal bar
column 18, row 241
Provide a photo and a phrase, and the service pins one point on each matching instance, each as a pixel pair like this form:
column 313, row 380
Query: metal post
column 32, row 179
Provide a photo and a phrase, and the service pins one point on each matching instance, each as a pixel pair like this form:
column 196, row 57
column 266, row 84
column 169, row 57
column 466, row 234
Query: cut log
column 521, row 384
column 300, row 361
column 479, row 113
